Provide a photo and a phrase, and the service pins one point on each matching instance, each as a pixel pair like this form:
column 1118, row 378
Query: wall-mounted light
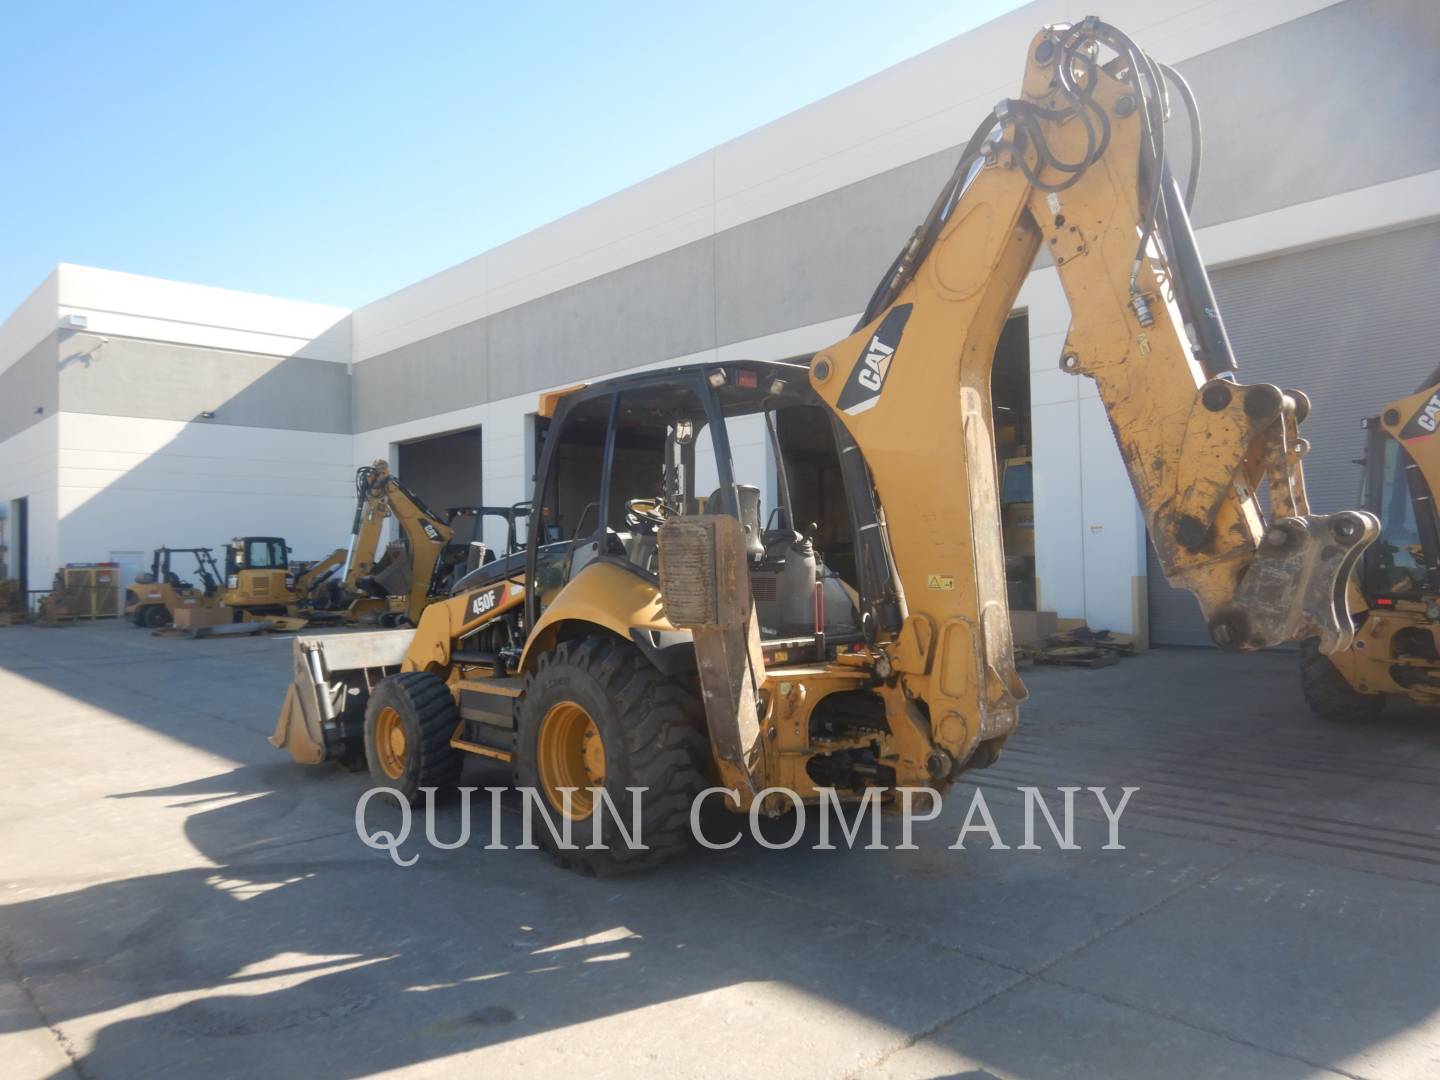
column 207, row 415
column 73, row 322
column 39, row 409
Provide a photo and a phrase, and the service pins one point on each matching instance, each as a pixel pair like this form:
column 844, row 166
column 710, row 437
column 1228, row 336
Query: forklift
column 152, row 598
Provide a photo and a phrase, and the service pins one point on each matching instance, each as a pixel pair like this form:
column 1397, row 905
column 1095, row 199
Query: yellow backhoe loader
column 1395, row 595
column 665, row 633
column 153, row 598
column 392, row 586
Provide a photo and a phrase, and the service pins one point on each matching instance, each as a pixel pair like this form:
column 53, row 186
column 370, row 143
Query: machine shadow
column 465, row 949
column 302, row 945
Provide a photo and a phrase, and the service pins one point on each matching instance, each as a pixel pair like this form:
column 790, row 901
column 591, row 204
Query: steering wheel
column 652, row 512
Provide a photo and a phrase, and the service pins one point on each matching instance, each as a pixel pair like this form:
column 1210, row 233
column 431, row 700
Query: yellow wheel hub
column 390, row 743
column 570, row 754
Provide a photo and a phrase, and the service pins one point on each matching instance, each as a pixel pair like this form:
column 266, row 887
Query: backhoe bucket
column 323, row 716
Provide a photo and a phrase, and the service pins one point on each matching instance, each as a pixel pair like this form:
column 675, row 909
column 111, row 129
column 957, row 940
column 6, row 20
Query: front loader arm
column 1073, row 168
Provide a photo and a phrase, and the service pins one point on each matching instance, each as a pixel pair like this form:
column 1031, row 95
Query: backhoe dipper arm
column 381, row 494
column 371, row 510
column 1075, row 167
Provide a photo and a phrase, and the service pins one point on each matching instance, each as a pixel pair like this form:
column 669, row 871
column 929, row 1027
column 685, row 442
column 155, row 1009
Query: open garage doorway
column 445, row 471
column 1010, row 399
column 14, row 544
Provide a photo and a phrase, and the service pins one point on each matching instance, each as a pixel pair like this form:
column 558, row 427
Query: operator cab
column 256, row 553
column 1404, row 563
column 623, row 457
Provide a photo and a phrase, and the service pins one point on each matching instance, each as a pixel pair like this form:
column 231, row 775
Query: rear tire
column 652, row 734
column 409, row 721
column 1329, row 694
column 154, row 616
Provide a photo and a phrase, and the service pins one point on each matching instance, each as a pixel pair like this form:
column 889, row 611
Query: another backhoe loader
column 391, row 586
column 665, row 633
column 152, row 599
column 1396, row 593
column 261, row 581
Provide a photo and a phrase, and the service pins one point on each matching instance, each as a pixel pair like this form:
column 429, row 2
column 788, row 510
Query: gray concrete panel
column 1318, row 106
column 156, row 380
column 648, row 311
column 29, row 389
column 821, row 258
column 1325, row 104
column 440, row 373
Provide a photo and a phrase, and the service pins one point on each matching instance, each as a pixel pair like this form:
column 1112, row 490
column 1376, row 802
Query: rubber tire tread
column 1328, row 693
column 664, row 748
column 428, row 710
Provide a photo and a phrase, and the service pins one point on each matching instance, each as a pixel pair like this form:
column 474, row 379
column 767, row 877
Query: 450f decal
column 482, row 603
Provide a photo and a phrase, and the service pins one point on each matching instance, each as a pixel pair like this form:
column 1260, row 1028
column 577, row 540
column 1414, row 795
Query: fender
column 606, row 593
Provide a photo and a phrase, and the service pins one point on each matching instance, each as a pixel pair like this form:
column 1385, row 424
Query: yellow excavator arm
column 380, row 495
column 1075, row 168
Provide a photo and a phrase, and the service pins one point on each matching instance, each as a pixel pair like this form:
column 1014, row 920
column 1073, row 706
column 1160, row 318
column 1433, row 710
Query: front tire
column 1329, row 694
column 154, row 616
column 596, row 713
column 409, row 721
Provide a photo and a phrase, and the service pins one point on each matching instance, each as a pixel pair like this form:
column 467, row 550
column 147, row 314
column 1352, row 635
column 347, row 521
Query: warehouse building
column 136, row 412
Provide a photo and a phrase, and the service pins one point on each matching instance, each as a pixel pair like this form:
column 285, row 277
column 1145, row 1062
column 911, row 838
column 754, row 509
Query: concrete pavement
column 177, row 898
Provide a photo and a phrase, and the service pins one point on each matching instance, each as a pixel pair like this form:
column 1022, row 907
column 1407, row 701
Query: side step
column 487, row 717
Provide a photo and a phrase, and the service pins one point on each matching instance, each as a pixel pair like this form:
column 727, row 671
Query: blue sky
column 337, row 152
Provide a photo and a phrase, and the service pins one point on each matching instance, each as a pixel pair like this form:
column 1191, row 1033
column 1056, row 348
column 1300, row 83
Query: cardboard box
column 1032, row 627
column 188, row 618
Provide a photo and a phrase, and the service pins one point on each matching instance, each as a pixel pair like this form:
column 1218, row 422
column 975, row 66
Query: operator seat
column 749, row 497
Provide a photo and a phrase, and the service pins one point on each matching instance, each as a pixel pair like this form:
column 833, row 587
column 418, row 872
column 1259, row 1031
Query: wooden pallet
column 1083, row 656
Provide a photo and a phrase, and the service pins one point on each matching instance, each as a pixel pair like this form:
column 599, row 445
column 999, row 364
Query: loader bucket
column 323, row 715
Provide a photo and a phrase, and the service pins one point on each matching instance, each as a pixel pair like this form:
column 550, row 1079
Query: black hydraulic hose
column 902, row 269
column 362, row 488
column 873, row 564
column 1191, row 281
column 1197, row 140
column 1431, row 381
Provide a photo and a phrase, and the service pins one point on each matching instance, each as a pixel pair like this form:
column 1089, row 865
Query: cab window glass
column 1398, row 552
column 569, row 511
column 265, row 555
column 571, row 505
column 658, row 430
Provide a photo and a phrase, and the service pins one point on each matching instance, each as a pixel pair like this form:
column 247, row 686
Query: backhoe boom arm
column 1074, row 167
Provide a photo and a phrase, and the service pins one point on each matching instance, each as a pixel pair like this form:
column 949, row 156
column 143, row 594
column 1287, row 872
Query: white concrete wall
column 28, row 324
column 102, row 484
column 132, row 305
column 132, row 484
column 28, row 464
column 1090, row 539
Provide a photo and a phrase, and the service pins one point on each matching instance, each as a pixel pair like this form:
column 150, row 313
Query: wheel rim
column 390, row 743
column 570, row 754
